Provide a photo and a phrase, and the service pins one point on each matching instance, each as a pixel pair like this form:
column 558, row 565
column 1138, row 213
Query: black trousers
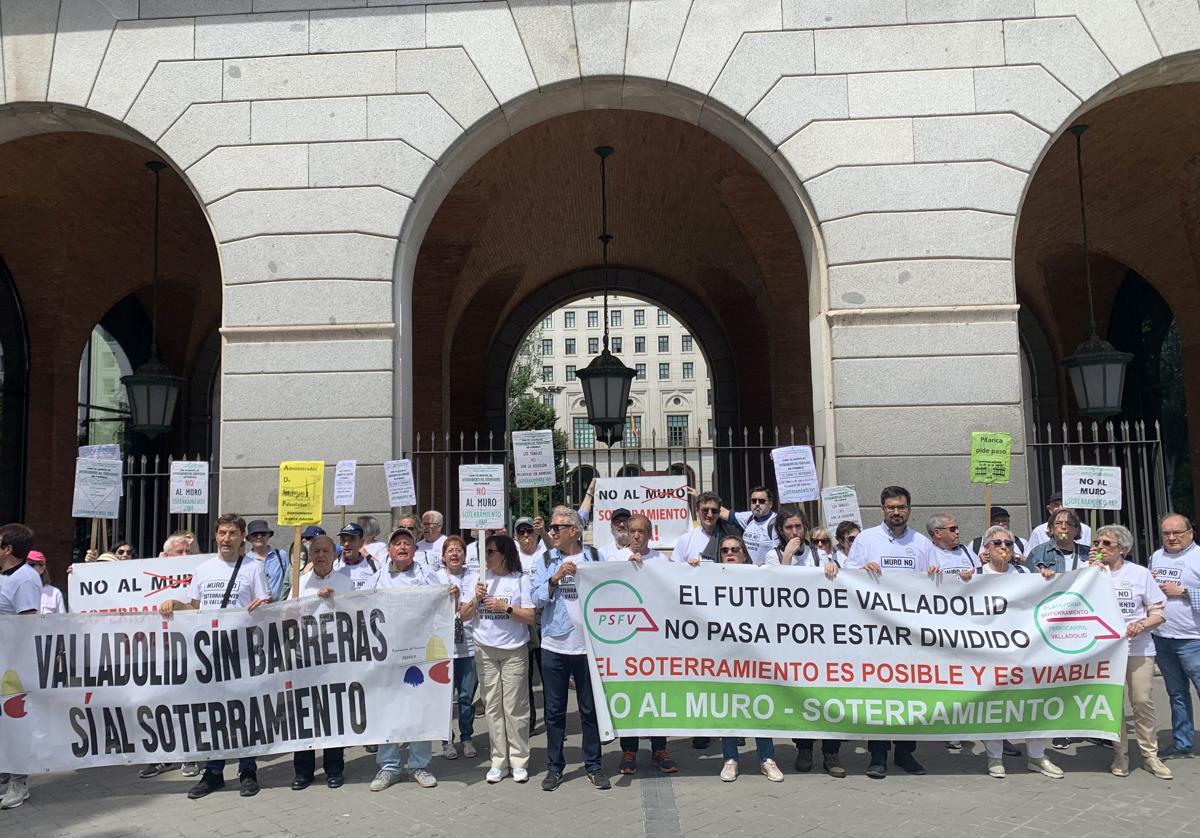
column 879, row 749
column 332, row 760
column 828, row 746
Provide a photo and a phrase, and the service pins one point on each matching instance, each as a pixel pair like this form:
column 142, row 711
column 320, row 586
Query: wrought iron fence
column 1135, row 447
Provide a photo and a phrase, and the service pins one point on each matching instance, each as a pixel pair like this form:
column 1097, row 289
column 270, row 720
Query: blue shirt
column 279, row 573
column 555, row 621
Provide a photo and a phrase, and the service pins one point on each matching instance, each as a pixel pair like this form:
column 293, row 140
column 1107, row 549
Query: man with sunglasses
column 889, row 548
column 700, row 543
column 948, row 554
column 273, row 561
column 758, row 524
column 431, row 539
column 1176, row 569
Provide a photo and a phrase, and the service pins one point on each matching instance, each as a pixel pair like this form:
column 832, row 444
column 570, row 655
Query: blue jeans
column 419, row 754
column 246, row 765
column 1179, row 663
column 766, row 747
column 466, row 680
column 556, row 671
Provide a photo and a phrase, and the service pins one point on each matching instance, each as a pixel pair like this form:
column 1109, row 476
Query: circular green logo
column 614, row 612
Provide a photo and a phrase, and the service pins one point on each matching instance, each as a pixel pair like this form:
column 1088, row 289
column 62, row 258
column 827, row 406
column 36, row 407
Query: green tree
column 527, row 412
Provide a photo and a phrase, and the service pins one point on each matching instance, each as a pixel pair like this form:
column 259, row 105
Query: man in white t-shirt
column 1041, row 533
column 1176, row 569
column 431, row 540
column 430, row 560
column 618, row 525
column 947, row 553
column 700, row 543
column 758, row 524
column 230, row 580
column 322, row 581
column 20, row 593
column 358, row 564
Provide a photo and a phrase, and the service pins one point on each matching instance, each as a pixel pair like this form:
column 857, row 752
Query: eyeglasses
column 1174, row 533
column 493, row 551
column 560, row 527
column 122, row 550
column 525, row 531
column 255, row 535
column 706, row 510
column 821, row 541
column 949, row 529
column 850, row 539
column 1104, row 542
column 729, row 551
column 758, row 501
column 895, row 508
column 1000, row 542
column 427, row 525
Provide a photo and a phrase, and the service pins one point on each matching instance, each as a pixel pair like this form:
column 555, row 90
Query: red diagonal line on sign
column 652, row 627
column 173, row 583
column 1091, row 618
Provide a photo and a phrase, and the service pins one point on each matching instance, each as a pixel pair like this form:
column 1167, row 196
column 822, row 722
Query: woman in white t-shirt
column 822, row 543
column 1142, row 604
column 503, row 611
column 462, row 587
column 52, row 598
column 844, row 535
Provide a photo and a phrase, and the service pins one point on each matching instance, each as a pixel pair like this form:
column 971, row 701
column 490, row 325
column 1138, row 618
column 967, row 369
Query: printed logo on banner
column 1069, row 624
column 12, row 696
column 615, row 612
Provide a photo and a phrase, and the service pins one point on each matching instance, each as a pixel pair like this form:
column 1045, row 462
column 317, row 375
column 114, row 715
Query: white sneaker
column 996, row 768
column 1046, row 768
column 423, row 778
column 1156, row 767
column 18, row 793
column 520, row 775
column 771, row 771
column 384, row 779
column 469, row 749
column 191, row 769
column 495, row 775
column 729, row 771
column 449, row 751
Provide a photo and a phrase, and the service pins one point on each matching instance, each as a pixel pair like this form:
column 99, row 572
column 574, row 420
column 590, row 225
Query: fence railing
column 1133, row 446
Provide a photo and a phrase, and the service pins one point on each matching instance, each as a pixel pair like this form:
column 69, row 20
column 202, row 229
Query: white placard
column 400, row 488
column 533, row 458
column 189, row 487
column 796, row 474
column 480, row 497
column 840, row 503
column 663, row 500
column 135, row 585
column 97, row 489
column 109, row 451
column 343, row 482
column 1091, row 487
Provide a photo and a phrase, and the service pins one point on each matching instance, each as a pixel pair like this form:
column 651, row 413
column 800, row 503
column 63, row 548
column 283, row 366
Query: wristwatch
column 508, row 610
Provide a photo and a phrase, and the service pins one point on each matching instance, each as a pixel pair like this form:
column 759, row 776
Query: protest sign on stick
column 301, row 502
column 796, row 474
column 131, row 585
column 991, row 462
column 401, row 489
column 664, row 500
column 343, row 485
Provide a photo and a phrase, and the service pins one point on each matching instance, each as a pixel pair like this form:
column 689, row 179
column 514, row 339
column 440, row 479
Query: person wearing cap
column 618, row 525
column 52, row 598
column 274, row 563
column 428, row 559
column 20, row 593
column 1041, row 533
column 351, row 545
column 402, row 571
column 432, row 523
column 357, row 562
column 1000, row 518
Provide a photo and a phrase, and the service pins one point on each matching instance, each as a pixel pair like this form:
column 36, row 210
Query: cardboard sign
column 533, row 458
column 664, row 500
column 1091, row 487
column 135, row 585
column 840, row 503
column 400, row 487
column 97, row 489
column 189, row 487
column 480, row 497
column 343, row 482
column 991, row 457
column 796, row 474
column 301, row 492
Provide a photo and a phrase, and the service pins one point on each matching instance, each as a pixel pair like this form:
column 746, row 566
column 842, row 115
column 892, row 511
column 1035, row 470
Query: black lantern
column 606, row 380
column 1097, row 369
column 152, row 390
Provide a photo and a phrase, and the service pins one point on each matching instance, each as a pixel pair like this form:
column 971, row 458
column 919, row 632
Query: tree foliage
column 527, row 412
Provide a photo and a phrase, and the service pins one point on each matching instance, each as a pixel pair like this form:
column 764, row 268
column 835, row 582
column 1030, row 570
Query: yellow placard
column 301, row 491
column 991, row 457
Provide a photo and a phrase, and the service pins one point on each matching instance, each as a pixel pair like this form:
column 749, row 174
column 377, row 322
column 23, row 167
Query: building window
column 548, row 321
column 548, row 399
column 593, row 319
column 689, row 370
column 585, row 434
column 593, row 346
column 616, row 345
column 662, row 317
column 614, row 318
column 686, row 342
column 570, row 345
column 569, row 319
column 547, row 348
column 570, row 372
column 664, row 343
column 639, row 344
column 677, row 429
column 639, row 317
column 664, row 371
column 633, row 432
column 641, row 372
column 547, row 375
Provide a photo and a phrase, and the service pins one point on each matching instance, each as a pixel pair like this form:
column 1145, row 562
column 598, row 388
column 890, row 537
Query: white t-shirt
column 377, row 549
column 951, row 560
column 20, row 591
column 911, row 551
column 690, row 544
column 804, row 557
column 1012, row 568
column 501, row 630
column 435, row 546
column 1136, row 589
column 1041, row 534
column 466, row 592
column 567, row 593
column 609, row 552
column 52, row 600
column 430, row 561
column 210, row 579
column 339, row 580
column 758, row 533
column 1182, row 568
column 362, row 574
column 388, row 578
column 623, row 555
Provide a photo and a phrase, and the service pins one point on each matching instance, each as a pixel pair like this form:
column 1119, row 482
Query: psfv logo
column 614, row 612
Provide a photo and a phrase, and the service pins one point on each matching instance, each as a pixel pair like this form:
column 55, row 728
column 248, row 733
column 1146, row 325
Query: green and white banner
column 740, row 650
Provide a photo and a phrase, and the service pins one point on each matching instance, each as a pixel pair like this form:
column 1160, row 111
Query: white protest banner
column 840, row 503
column 134, row 585
column 737, row 650
column 97, row 489
column 343, row 482
column 1091, row 487
column 664, row 500
column 132, row 689
column 533, row 458
column 189, row 487
column 481, row 497
column 400, row 487
column 796, row 474
column 108, row 451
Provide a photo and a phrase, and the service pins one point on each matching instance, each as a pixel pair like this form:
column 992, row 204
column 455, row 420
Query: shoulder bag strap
column 229, row 585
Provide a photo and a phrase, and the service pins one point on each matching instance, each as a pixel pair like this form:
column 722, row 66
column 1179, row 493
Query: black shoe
column 157, row 768
column 700, row 742
column 371, row 749
column 1011, row 750
column 804, row 760
column 1175, row 753
column 298, row 784
column 877, row 771
column 833, row 766
column 551, row 781
column 249, row 785
column 909, row 763
column 1103, row 743
column 208, row 783
column 598, row 780
column 1060, row 743
column 335, row 782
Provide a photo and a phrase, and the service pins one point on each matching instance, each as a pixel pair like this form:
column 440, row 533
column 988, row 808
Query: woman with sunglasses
column 996, row 552
column 845, row 534
column 732, row 550
column 822, row 542
column 503, row 612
